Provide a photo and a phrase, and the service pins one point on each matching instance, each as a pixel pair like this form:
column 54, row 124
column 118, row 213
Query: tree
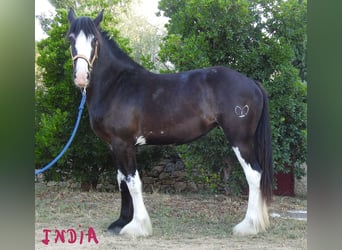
column 144, row 36
column 288, row 20
column 258, row 38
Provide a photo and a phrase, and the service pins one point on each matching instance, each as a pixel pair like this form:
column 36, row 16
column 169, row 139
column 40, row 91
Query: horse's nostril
column 74, row 75
column 88, row 76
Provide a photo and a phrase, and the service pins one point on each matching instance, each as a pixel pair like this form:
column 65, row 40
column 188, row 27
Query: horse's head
column 83, row 35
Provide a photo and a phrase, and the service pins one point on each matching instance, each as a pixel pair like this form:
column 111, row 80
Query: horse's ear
column 71, row 15
column 99, row 18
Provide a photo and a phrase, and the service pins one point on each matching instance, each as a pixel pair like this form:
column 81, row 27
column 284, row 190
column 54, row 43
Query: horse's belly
column 181, row 132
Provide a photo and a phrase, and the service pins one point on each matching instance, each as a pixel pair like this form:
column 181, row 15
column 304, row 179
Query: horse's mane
column 116, row 50
column 85, row 24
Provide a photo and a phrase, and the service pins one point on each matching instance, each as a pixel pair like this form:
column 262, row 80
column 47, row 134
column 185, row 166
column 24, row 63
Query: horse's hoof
column 114, row 230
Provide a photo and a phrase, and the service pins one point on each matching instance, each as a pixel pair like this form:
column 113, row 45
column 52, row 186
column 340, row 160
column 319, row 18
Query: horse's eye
column 93, row 42
column 71, row 38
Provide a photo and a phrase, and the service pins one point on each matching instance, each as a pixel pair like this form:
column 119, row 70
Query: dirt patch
column 182, row 221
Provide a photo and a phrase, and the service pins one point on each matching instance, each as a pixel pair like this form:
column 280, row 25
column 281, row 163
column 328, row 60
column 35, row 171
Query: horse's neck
column 111, row 64
column 106, row 73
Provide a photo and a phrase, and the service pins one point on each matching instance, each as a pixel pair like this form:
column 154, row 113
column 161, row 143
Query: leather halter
column 89, row 62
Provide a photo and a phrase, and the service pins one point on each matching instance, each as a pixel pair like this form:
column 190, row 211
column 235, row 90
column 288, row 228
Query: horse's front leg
column 134, row 219
column 140, row 225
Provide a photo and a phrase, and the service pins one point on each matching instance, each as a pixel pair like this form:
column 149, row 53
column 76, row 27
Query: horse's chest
column 98, row 124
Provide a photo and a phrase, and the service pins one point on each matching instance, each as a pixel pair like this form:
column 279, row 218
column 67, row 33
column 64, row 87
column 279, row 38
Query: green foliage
column 290, row 23
column 147, row 62
column 51, row 128
column 264, row 39
column 211, row 32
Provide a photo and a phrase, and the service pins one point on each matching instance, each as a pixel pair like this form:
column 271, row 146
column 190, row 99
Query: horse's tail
column 263, row 149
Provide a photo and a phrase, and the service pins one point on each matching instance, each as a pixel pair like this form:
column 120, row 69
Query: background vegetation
column 266, row 40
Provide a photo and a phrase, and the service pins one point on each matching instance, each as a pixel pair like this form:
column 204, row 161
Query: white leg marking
column 141, row 223
column 256, row 218
column 120, row 177
column 141, row 140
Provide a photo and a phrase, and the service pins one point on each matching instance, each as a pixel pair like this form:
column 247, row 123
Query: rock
column 156, row 171
column 148, row 180
column 180, row 186
column 180, row 166
column 158, row 168
column 169, row 167
column 192, row 187
column 148, row 188
column 169, row 182
column 164, row 162
column 200, row 186
column 163, row 176
column 179, row 174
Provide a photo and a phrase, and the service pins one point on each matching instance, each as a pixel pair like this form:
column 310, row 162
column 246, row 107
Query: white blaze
column 83, row 47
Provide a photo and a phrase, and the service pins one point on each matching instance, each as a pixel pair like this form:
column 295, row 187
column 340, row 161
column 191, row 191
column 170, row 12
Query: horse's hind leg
column 134, row 219
column 256, row 218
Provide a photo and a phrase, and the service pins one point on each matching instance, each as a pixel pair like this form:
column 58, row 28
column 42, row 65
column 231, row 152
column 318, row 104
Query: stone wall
column 169, row 175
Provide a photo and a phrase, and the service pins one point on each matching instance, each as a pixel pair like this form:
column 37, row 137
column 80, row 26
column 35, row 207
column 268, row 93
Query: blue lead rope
column 80, row 110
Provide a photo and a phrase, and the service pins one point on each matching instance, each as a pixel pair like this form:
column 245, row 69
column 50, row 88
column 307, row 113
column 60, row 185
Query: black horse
column 129, row 106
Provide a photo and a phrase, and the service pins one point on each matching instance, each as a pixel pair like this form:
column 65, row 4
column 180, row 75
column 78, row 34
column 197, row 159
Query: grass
column 180, row 220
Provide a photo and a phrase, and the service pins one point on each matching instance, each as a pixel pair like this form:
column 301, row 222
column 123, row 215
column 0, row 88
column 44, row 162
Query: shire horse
column 129, row 106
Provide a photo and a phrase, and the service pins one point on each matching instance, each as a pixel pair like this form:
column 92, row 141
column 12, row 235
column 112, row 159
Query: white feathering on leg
column 141, row 223
column 256, row 218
